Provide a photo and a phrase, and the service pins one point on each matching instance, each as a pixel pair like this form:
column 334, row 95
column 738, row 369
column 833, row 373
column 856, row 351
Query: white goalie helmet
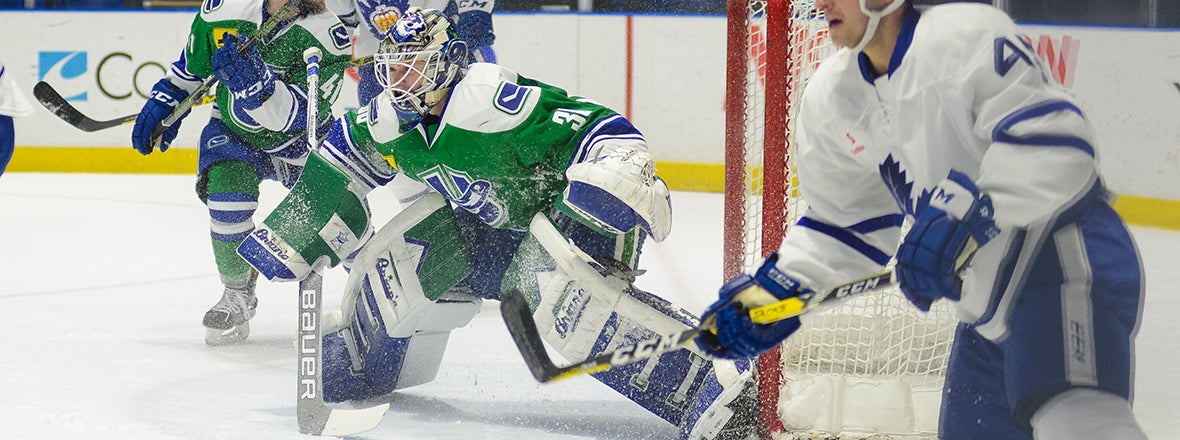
column 419, row 59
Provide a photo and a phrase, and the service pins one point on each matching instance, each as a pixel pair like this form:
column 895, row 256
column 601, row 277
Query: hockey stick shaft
column 312, row 57
column 518, row 318
column 310, row 405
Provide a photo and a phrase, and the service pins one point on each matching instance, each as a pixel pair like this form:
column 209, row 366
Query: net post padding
column 737, row 45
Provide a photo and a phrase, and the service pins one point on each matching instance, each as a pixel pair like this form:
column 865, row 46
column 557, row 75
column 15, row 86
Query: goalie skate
column 228, row 321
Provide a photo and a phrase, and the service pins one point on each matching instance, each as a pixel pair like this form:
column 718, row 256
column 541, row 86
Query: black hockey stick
column 56, row 104
column 514, row 308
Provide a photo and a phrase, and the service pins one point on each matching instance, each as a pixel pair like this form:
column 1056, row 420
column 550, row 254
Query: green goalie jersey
column 500, row 149
column 283, row 52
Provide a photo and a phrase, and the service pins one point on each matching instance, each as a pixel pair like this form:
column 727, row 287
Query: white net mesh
column 872, row 367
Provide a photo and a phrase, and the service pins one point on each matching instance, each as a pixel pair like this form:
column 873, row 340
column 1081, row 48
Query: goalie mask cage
column 873, row 366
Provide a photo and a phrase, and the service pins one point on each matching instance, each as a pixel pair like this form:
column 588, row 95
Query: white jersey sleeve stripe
column 180, row 76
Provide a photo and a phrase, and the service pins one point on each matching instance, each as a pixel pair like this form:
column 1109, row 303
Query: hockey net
column 872, row 367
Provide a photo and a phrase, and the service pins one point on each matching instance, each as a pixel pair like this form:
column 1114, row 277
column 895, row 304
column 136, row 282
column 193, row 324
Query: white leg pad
column 388, row 268
column 577, row 301
column 384, row 289
column 425, row 351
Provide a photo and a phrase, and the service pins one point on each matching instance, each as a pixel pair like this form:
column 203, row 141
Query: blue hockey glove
column 248, row 77
column 942, row 240
column 164, row 99
column 737, row 337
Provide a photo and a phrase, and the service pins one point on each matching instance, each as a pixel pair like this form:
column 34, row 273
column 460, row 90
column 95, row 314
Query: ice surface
column 105, row 279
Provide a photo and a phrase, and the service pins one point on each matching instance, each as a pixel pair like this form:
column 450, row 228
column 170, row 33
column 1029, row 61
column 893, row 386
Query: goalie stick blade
column 56, row 104
column 515, row 309
column 340, row 422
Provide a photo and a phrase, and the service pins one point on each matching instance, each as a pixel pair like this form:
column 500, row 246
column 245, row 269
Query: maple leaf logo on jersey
column 901, row 187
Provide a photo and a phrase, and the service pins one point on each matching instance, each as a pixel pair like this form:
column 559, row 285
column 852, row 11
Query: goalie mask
column 419, row 59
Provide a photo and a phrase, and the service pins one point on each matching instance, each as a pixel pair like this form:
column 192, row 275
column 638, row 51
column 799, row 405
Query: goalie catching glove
column 734, row 335
column 943, row 239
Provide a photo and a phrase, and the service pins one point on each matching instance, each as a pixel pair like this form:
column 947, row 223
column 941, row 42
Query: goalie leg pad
column 322, row 217
column 363, row 361
column 580, row 313
column 727, row 405
column 399, row 306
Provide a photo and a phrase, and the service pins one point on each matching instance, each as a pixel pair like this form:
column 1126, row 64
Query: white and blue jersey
column 1058, row 292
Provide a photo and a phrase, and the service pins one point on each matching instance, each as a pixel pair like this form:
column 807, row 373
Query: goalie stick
column 514, row 308
column 315, row 417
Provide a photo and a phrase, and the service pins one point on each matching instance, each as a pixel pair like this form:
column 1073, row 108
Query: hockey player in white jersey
column 948, row 116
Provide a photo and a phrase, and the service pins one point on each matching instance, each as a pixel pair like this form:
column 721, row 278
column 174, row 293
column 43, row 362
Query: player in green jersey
column 257, row 128
column 534, row 190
